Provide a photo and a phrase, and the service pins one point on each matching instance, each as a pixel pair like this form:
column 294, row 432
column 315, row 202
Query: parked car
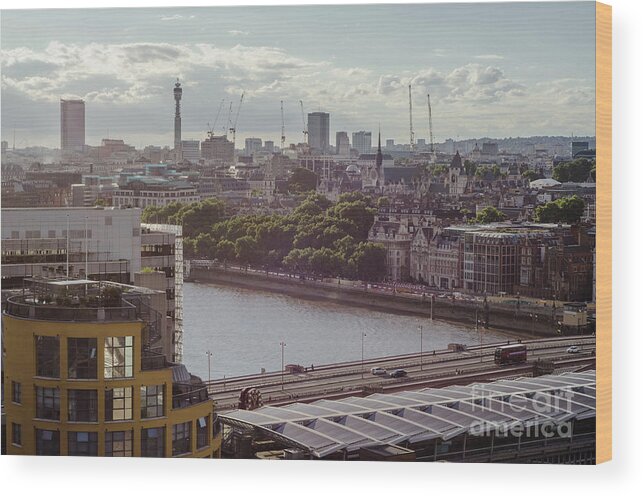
column 573, row 349
column 398, row 373
column 378, row 371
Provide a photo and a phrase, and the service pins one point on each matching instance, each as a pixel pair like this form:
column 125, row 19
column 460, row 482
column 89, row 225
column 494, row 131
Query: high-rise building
column 362, row 141
column 83, row 381
column 269, row 146
column 319, row 130
column 218, row 149
column 342, row 144
column 178, row 93
column 253, row 145
column 72, row 126
column 390, row 143
column 191, row 150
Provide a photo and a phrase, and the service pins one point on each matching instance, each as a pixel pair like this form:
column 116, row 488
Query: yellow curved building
column 79, row 380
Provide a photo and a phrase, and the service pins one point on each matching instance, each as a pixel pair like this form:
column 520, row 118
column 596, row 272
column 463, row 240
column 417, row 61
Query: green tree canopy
column 575, row 171
column 302, row 180
column 369, row 260
column 488, row 215
column 568, row 210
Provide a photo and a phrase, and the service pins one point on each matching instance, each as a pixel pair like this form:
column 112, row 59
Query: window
column 16, row 392
column 16, row 434
column 48, row 403
column 152, row 401
column 118, row 404
column 118, row 443
column 119, row 357
column 81, row 358
column 82, row 443
column 202, row 432
column 181, row 436
column 83, row 405
column 48, row 356
column 153, row 442
column 47, row 443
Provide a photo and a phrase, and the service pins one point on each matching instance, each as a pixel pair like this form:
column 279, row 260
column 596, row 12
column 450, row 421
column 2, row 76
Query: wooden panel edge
column 603, row 232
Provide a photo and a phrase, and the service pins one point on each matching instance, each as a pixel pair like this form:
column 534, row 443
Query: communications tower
column 178, row 93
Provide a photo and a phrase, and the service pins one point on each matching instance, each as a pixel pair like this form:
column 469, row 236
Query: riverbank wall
column 523, row 322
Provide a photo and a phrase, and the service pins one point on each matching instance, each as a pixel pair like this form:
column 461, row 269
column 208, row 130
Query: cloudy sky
column 492, row 70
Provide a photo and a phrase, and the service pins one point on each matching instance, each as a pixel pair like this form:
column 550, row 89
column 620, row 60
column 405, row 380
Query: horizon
column 488, row 68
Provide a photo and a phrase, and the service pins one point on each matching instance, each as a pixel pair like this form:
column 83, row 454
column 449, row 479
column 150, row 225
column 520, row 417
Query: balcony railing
column 19, row 306
column 184, row 395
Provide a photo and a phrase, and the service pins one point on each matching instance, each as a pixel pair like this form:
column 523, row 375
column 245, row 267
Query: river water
column 243, row 328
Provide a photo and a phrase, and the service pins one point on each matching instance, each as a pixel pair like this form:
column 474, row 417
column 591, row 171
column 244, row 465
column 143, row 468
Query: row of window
column 82, row 361
column 82, row 404
column 120, row 443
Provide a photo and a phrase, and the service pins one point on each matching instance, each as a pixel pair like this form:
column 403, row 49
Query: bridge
column 429, row 369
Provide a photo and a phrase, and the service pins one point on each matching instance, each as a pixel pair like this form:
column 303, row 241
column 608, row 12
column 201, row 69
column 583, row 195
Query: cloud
column 176, row 17
column 489, row 56
column 129, row 85
column 236, row 32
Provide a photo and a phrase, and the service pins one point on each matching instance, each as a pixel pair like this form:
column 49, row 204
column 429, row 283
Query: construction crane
column 412, row 134
column 283, row 128
column 227, row 127
column 303, row 121
column 430, row 124
column 233, row 129
column 216, row 119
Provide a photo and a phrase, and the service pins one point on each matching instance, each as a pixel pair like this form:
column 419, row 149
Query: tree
column 383, row 201
column 488, row 215
column 225, row 250
column 532, row 175
column 198, row 218
column 302, row 180
column 325, row 262
column 205, row 246
column 370, row 261
column 576, row 171
column 470, row 167
column 359, row 213
column 568, row 210
column 246, row 250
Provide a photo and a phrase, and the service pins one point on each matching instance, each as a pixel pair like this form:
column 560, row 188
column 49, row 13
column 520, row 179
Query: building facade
column 72, row 126
column 362, row 141
column 319, row 130
column 81, row 381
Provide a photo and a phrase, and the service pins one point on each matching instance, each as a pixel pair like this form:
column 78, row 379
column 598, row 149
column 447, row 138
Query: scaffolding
column 177, row 231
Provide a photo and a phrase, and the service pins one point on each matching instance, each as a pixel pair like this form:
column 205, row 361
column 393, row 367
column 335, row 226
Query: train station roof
column 324, row 427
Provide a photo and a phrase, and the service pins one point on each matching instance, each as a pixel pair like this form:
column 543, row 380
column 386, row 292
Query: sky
column 493, row 70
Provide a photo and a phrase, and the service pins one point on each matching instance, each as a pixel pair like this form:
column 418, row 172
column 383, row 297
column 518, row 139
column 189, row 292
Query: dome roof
column 352, row 169
column 543, row 183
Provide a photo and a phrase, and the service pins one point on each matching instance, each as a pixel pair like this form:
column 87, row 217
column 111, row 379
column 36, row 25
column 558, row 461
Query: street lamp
column 363, row 335
column 209, row 355
column 421, row 329
column 283, row 345
column 479, row 330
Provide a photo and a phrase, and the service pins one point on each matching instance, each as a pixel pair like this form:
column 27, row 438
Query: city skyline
column 480, row 85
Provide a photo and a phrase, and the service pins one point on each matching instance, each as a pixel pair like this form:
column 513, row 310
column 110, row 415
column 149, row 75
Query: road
column 341, row 378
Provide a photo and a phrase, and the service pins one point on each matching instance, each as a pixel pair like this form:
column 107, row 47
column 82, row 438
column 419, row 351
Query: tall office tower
column 342, row 144
column 390, row 143
column 72, row 125
column 178, row 93
column 319, row 130
column 362, row 141
column 253, row 145
column 269, row 146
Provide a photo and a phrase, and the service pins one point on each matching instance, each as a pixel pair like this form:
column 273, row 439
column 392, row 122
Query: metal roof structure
column 327, row 426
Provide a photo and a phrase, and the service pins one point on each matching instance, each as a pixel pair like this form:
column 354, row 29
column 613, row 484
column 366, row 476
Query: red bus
column 511, row 353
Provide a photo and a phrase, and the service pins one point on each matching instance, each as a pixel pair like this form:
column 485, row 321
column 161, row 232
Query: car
column 378, row 371
column 573, row 349
column 398, row 373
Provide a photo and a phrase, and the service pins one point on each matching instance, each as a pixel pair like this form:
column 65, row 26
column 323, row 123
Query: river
column 243, row 328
